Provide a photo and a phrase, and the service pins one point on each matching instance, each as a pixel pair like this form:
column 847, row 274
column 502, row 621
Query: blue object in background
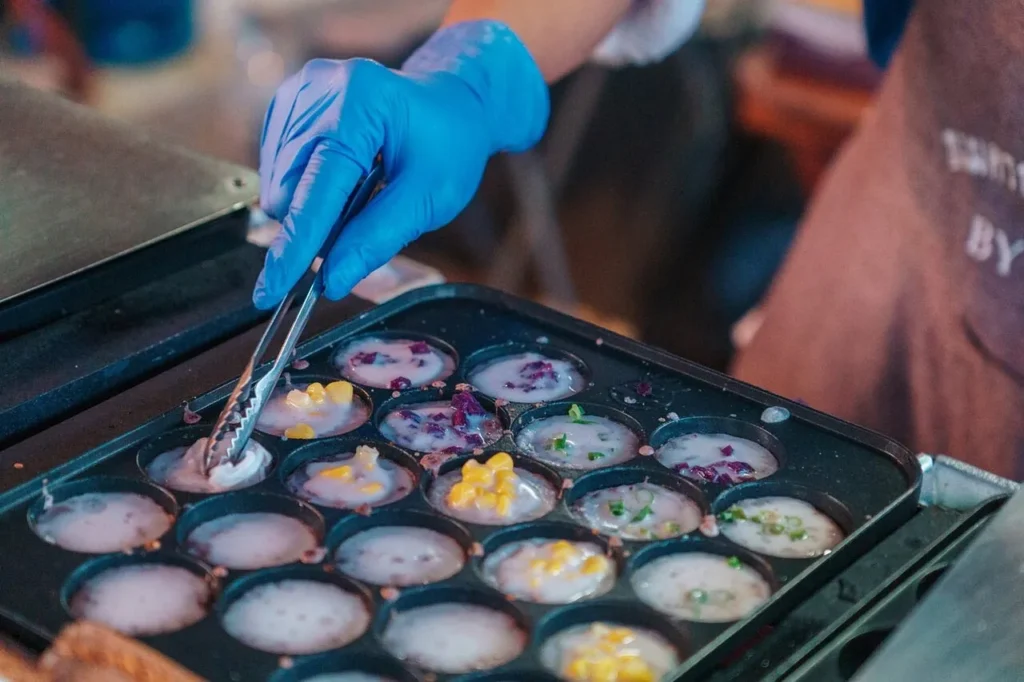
column 123, row 32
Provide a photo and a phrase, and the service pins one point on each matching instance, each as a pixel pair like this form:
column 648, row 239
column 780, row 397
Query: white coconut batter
column 251, row 540
column 638, row 511
column 549, row 571
column 297, row 617
column 493, row 493
column 717, row 457
column 396, row 364
column 701, row 587
column 305, row 411
column 180, row 469
column 144, row 599
column 527, row 378
column 780, row 526
column 588, row 652
column 400, row 556
column 459, row 426
column 454, row 638
column 98, row 523
column 351, row 480
column 578, row 441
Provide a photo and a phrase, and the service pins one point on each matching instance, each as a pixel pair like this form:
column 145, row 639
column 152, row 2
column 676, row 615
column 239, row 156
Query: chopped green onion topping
column 731, row 514
column 734, row 562
column 795, row 535
column 616, row 507
column 575, row 412
column 642, row 514
column 672, row 528
column 775, row 528
column 794, row 522
column 560, row 442
column 697, row 596
column 594, row 455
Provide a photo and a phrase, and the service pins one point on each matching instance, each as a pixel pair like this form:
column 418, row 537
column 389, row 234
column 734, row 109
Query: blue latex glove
column 472, row 90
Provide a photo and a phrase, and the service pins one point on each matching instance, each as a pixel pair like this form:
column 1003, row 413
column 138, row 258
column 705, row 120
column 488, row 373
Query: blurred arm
column 560, row 34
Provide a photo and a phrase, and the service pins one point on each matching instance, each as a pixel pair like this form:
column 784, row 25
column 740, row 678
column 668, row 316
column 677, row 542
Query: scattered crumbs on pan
column 543, row 339
column 389, row 593
column 438, row 384
column 629, row 400
column 709, row 526
column 646, row 450
column 395, row 394
column 463, row 387
column 152, row 545
column 566, row 483
column 644, row 389
column 219, row 572
column 19, row 465
column 313, row 556
column 500, row 402
column 615, row 541
column 363, row 510
column 599, row 341
column 190, row 417
column 774, row 415
column 285, row 662
column 672, row 416
column 300, row 364
column 476, row 550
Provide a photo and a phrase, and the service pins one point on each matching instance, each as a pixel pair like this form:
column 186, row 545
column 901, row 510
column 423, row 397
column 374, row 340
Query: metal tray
column 867, row 482
column 842, row 651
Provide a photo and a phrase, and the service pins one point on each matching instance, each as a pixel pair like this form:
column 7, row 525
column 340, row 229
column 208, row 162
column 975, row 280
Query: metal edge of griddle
column 967, row 628
column 979, row 514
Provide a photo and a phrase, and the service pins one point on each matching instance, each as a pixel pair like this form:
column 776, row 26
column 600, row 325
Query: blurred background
column 660, row 203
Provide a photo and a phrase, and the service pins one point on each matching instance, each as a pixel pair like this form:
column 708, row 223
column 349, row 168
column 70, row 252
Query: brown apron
column 901, row 305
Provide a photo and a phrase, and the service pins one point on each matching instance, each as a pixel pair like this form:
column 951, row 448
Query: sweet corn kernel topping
column 340, row 392
column 609, row 659
column 343, row 473
column 367, row 457
column 300, row 432
column 316, row 392
column 491, row 485
column 372, row 488
column 299, row 400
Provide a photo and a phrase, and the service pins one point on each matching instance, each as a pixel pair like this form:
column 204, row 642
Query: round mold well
column 701, row 545
column 185, row 437
column 823, row 502
column 294, row 572
column 411, row 401
column 353, row 525
column 246, row 503
column 101, row 564
column 333, row 450
column 726, row 426
column 518, row 462
column 437, row 344
column 62, row 492
column 547, row 530
column 561, row 409
column 310, row 667
column 487, row 356
column 928, row 580
column 856, row 652
column 633, row 615
column 434, row 595
column 299, row 380
column 511, row 676
column 603, row 479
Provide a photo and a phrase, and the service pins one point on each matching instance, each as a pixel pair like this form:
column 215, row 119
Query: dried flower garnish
column 389, row 593
column 419, row 348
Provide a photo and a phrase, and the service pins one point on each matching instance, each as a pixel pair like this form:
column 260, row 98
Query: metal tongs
column 238, row 418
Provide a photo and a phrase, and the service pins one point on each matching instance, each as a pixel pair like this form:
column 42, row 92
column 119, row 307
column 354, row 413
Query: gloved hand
column 472, row 90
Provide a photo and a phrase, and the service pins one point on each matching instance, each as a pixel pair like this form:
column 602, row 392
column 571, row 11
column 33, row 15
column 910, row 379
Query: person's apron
column 901, row 305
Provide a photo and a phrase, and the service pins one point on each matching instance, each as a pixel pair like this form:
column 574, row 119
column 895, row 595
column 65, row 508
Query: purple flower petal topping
column 452, row 450
column 411, row 416
column 363, row 358
column 400, row 384
column 419, row 348
column 466, row 402
column 644, row 389
column 727, row 450
column 435, row 429
column 474, row 439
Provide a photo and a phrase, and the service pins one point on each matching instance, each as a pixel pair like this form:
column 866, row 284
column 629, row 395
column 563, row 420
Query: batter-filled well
column 454, row 638
column 638, row 511
column 400, row 556
column 396, row 364
column 494, row 493
column 297, row 617
column 98, row 523
column 717, row 457
column 305, row 411
column 348, row 481
column 701, row 587
column 780, row 526
column 607, row 651
column 251, row 540
column 144, row 599
column 549, row 571
column 527, row 378
column 181, row 469
column 578, row 441
column 458, row 426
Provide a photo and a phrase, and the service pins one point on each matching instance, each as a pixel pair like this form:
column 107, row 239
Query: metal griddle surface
column 77, row 189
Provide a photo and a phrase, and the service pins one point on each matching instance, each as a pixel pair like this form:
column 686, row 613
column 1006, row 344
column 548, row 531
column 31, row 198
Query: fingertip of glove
column 262, row 296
